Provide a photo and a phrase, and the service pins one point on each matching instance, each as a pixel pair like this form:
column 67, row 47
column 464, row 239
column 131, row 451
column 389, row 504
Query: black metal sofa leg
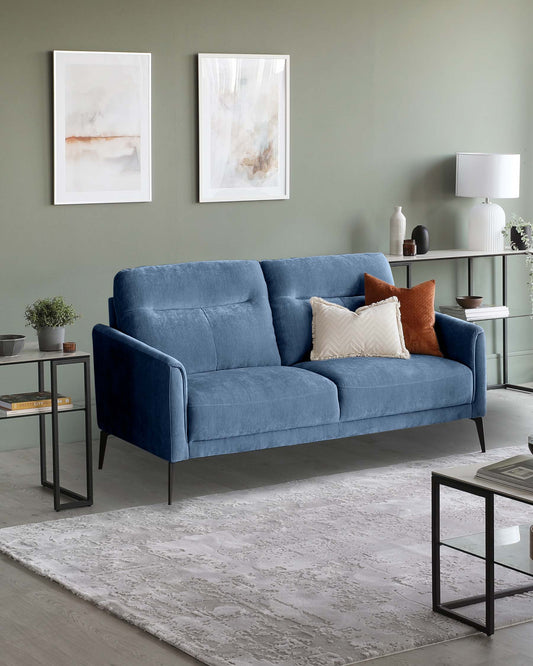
column 103, row 442
column 170, row 481
column 480, row 433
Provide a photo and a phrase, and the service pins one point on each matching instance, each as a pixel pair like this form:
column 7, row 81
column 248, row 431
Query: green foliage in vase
column 524, row 228
column 50, row 312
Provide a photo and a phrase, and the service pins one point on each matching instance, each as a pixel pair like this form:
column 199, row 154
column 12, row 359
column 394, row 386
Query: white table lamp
column 489, row 176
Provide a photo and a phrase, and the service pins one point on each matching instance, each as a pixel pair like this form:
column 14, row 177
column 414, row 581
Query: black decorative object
column 421, row 237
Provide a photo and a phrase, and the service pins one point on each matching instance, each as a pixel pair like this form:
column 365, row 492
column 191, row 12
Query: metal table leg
column 435, row 542
column 55, row 485
column 88, row 429
column 489, row 563
column 42, row 425
column 505, row 350
column 55, row 437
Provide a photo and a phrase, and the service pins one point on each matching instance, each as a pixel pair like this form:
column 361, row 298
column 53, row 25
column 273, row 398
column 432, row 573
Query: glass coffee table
column 507, row 547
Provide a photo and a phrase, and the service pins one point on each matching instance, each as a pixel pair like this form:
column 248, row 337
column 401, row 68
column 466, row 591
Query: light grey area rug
column 328, row 571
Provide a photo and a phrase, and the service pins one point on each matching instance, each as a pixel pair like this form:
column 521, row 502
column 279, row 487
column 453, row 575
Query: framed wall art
column 102, row 127
column 244, row 127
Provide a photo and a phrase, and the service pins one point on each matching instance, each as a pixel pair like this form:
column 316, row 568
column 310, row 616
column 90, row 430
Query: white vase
column 397, row 231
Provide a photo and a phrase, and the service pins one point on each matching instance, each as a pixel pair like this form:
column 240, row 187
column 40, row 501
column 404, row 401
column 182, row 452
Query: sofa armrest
column 141, row 394
column 464, row 341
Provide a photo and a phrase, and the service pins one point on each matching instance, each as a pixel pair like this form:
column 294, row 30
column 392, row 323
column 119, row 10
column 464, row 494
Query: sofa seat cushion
column 244, row 401
column 374, row 387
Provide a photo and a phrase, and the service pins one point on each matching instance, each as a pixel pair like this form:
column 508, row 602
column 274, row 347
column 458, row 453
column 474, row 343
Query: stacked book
column 476, row 314
column 515, row 472
column 35, row 402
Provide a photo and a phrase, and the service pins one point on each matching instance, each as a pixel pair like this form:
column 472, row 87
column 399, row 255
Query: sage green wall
column 383, row 93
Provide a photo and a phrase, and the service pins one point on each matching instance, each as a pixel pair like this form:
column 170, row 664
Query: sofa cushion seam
column 212, row 337
column 255, row 402
column 382, row 386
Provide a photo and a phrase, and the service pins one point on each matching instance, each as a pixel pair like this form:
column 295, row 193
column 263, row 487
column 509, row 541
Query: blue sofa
column 207, row 358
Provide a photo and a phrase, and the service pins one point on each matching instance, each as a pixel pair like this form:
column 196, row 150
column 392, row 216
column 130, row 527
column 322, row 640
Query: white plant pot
column 51, row 338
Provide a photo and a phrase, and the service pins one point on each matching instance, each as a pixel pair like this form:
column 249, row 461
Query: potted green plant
column 49, row 316
column 518, row 236
column 517, row 233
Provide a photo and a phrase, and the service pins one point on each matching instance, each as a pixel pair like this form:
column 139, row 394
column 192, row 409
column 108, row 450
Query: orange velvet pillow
column 417, row 309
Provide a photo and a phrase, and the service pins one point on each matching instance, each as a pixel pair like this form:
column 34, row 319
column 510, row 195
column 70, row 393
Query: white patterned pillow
column 372, row 330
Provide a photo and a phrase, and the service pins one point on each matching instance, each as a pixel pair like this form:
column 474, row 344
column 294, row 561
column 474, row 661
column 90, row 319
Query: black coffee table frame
column 448, row 608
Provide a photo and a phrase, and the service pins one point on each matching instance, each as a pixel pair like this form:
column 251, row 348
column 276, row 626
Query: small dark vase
column 517, row 242
column 421, row 237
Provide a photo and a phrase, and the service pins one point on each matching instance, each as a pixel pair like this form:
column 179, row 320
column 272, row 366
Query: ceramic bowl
column 469, row 301
column 11, row 345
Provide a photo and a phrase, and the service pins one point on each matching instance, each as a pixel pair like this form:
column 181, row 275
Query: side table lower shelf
column 56, row 359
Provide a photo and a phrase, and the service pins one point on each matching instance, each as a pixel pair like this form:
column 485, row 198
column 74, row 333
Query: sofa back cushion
column 210, row 315
column 292, row 282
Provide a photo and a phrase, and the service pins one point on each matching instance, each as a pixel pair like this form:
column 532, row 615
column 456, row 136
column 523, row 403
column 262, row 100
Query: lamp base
column 486, row 223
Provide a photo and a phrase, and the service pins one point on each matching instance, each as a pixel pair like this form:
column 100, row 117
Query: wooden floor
column 42, row 624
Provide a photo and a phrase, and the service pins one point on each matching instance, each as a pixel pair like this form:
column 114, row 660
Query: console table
column 470, row 255
column 31, row 354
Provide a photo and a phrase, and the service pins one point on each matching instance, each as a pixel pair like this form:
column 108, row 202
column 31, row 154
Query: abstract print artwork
column 244, row 126
column 102, row 133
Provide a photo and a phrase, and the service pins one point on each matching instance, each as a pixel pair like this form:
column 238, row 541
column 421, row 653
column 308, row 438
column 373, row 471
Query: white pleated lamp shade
column 488, row 175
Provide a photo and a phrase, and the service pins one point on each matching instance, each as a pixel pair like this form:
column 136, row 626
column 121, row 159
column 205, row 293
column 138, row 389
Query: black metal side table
column 507, row 547
column 31, row 354
column 470, row 255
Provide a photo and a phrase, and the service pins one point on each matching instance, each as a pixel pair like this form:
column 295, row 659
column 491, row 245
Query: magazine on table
column 516, row 472
column 31, row 400
column 33, row 410
column 476, row 314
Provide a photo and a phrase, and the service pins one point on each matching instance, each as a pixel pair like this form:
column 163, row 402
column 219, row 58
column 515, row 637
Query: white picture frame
column 102, row 127
column 244, row 127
